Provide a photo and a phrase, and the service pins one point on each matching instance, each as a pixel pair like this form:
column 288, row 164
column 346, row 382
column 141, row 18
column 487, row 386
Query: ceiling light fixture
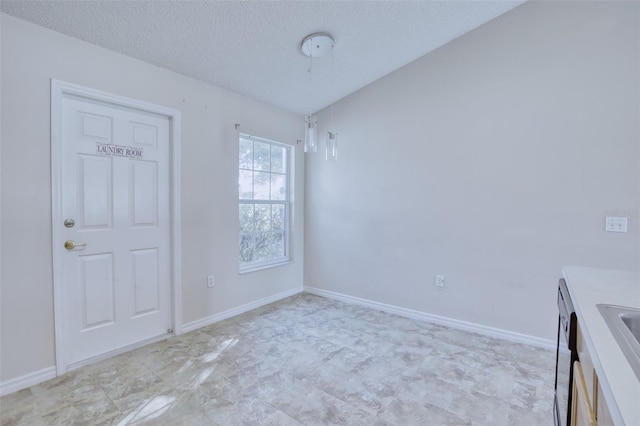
column 314, row 46
column 317, row 45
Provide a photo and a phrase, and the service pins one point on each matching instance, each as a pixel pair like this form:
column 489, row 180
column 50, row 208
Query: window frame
column 286, row 203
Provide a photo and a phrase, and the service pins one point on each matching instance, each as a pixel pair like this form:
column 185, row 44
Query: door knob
column 70, row 244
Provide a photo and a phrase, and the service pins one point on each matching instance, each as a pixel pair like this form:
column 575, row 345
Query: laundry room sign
column 118, row 150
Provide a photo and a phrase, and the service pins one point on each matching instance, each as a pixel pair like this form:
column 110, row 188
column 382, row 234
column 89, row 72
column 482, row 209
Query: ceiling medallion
column 317, row 44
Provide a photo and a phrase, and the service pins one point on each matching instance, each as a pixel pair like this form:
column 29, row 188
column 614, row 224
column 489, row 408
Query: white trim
column 436, row 319
column 203, row 322
column 175, row 122
column 58, row 90
column 56, row 209
column 118, row 351
column 260, row 266
column 49, row 373
column 28, row 380
column 287, row 164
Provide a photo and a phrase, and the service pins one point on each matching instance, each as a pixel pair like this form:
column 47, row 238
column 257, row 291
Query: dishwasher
column 566, row 354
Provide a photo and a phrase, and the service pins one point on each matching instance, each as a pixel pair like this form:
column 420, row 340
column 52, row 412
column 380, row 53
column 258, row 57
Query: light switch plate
column 616, row 224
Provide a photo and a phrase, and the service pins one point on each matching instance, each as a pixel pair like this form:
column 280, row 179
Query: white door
column 114, row 202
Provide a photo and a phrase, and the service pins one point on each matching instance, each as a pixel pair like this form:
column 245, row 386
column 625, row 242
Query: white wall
column 31, row 56
column 493, row 160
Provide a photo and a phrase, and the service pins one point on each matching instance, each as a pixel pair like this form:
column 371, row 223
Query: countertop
column 587, row 288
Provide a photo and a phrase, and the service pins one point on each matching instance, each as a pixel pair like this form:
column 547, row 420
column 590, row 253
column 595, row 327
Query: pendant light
column 332, row 147
column 310, row 134
column 331, row 144
column 314, row 45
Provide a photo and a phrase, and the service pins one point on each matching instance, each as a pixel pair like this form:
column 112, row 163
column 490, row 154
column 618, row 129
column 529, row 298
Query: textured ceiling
column 253, row 47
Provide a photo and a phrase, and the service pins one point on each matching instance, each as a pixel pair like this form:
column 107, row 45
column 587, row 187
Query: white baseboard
column 436, row 319
column 48, row 373
column 27, row 380
column 116, row 352
column 203, row 322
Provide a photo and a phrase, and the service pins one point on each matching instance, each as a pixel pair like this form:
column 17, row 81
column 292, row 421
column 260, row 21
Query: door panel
column 95, row 195
column 145, row 135
column 94, row 126
column 145, row 281
column 96, row 280
column 144, row 191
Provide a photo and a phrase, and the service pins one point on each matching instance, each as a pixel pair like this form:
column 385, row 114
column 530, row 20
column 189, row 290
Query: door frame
column 60, row 89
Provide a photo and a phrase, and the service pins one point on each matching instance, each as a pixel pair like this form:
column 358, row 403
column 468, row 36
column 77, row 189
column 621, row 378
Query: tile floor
column 303, row 360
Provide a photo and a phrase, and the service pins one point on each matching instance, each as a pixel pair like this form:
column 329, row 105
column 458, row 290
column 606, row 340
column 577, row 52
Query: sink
column 632, row 321
column 624, row 323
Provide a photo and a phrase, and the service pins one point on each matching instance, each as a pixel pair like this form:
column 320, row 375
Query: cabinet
column 588, row 407
column 602, row 410
column 581, row 412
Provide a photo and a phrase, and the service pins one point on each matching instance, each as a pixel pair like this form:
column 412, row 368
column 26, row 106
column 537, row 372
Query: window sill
column 249, row 269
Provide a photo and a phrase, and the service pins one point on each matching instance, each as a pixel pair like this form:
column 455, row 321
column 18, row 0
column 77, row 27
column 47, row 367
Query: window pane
column 261, row 185
column 246, row 217
column 261, row 156
column 245, row 184
column 262, row 246
column 277, row 217
column 246, row 248
column 262, row 217
column 278, row 155
column 276, row 245
column 246, row 154
column 278, row 187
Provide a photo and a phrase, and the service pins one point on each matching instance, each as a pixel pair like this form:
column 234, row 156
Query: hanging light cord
column 333, row 81
column 309, row 71
column 331, row 120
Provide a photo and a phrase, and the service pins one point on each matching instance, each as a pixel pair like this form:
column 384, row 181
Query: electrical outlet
column 616, row 224
column 439, row 281
column 210, row 281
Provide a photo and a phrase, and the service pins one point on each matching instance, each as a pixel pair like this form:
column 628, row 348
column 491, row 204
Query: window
column 263, row 192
